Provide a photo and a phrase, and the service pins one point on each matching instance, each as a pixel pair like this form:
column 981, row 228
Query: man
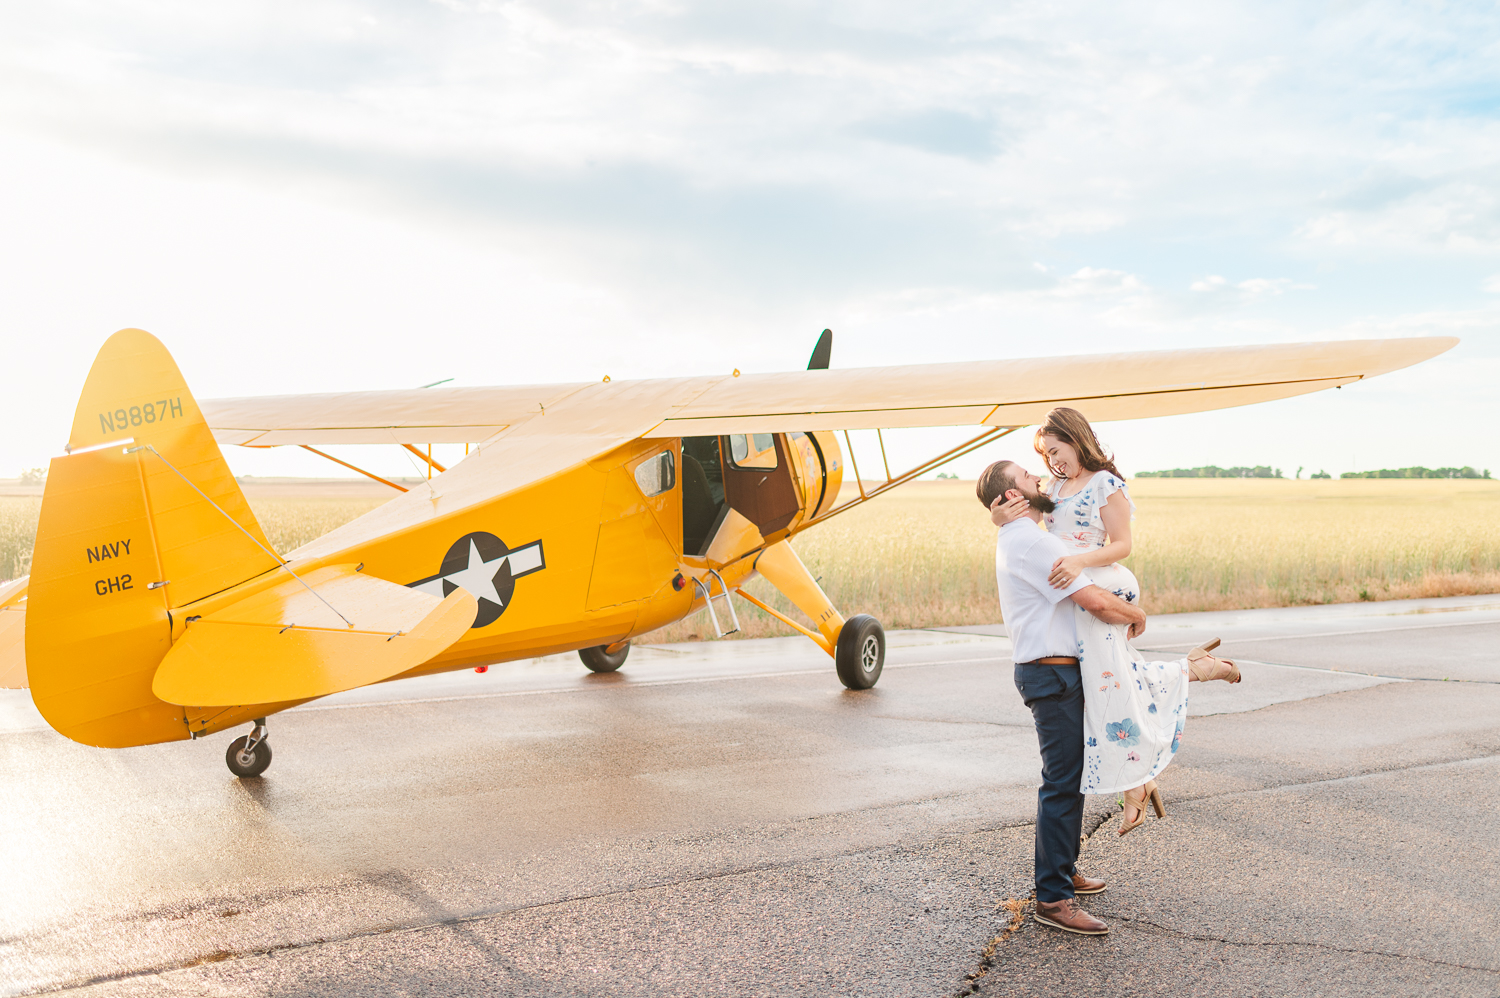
column 1040, row 620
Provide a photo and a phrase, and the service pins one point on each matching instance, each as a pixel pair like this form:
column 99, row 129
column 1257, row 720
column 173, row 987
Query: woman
column 1134, row 710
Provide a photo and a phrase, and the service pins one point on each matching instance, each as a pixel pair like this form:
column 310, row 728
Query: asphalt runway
column 726, row 819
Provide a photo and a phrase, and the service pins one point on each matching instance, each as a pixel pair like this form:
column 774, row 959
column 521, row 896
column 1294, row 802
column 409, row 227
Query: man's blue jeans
column 1055, row 695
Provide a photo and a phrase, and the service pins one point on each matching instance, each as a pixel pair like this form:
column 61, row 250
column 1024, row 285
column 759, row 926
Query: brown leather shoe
column 1066, row 915
column 1087, row 885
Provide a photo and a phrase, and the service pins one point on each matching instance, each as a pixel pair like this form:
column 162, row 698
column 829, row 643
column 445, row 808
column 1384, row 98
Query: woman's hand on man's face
column 1003, row 510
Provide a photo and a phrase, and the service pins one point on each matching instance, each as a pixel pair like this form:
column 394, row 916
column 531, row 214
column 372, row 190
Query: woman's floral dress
column 1133, row 709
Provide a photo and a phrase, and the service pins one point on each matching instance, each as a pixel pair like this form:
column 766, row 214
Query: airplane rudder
column 96, row 626
column 141, row 516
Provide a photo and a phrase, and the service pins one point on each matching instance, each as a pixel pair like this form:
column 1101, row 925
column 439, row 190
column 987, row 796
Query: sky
column 323, row 196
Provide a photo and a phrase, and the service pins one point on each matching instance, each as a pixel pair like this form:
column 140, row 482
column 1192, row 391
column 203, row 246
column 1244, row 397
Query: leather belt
column 1054, row 660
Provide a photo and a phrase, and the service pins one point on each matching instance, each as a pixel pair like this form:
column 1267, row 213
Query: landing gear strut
column 249, row 755
column 857, row 644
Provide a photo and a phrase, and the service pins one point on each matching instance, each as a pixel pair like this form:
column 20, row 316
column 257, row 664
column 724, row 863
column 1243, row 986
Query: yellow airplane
column 584, row 515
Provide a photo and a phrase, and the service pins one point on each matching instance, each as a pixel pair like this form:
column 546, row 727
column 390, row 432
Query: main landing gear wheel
column 249, row 755
column 601, row 658
column 860, row 654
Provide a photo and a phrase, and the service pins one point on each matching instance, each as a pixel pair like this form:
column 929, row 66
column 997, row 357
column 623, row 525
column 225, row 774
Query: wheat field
column 923, row 555
column 288, row 523
column 17, row 533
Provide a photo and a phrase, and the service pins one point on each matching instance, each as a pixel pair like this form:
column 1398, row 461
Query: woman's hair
column 1070, row 426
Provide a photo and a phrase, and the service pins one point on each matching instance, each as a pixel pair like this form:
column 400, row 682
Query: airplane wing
column 989, row 392
column 407, row 416
column 543, row 430
column 1020, row 392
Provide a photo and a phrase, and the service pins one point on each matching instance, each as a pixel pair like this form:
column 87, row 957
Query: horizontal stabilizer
column 286, row 643
column 13, row 635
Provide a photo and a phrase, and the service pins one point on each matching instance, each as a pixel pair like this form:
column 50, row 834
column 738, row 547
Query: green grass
column 923, row 555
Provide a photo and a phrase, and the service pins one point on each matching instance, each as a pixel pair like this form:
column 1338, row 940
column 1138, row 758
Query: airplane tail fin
column 141, row 518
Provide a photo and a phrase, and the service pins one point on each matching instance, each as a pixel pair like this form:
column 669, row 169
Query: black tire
column 252, row 764
column 860, row 654
column 599, row 660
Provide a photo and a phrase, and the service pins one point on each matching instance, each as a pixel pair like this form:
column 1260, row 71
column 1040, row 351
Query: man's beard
column 1041, row 503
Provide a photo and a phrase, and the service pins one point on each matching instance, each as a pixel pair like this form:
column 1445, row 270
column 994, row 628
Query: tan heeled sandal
column 1148, row 794
column 1205, row 667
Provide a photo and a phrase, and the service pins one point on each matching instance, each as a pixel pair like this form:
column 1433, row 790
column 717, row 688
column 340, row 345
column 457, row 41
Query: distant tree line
column 1214, row 471
column 1263, row 471
column 1464, row 472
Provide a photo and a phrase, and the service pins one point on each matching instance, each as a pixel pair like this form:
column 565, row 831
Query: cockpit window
column 756, row 451
column 656, row 475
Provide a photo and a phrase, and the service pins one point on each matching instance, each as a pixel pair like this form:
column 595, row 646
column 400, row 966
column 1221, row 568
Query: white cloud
column 512, row 190
column 905, row 140
column 1247, row 290
column 1097, row 281
column 1461, row 215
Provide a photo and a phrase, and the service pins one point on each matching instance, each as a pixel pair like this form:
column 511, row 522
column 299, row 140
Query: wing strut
column 351, row 467
column 994, row 433
column 431, row 464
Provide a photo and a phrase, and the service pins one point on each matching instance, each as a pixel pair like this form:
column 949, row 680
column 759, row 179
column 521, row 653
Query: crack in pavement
column 1371, row 774
column 256, row 901
column 1344, row 634
column 1017, row 908
column 988, row 953
column 1334, row 672
column 1174, row 648
column 495, row 913
column 485, row 915
column 1168, row 931
column 456, row 921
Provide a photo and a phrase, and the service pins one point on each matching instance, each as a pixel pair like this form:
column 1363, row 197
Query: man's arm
column 1111, row 609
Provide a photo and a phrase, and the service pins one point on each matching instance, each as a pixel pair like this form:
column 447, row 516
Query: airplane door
column 758, row 480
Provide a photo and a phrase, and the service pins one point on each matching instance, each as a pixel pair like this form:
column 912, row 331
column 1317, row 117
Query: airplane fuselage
column 596, row 555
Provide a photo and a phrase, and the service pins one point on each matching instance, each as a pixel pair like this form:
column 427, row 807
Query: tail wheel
column 605, row 658
column 860, row 654
column 243, row 763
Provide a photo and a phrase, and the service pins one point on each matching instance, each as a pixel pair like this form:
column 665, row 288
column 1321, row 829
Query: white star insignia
column 478, row 575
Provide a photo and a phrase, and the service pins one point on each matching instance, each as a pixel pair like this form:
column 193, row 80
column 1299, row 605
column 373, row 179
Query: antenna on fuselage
column 822, row 352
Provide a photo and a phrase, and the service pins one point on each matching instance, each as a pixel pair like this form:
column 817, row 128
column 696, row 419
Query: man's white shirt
column 1039, row 617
